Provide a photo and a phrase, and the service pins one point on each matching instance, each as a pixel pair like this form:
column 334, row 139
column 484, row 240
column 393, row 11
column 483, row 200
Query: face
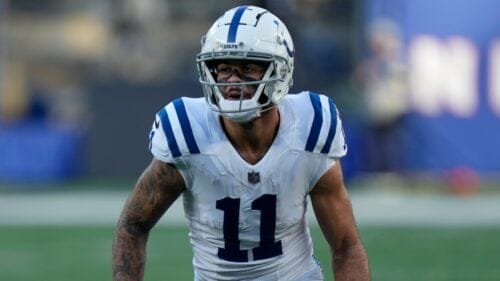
column 238, row 72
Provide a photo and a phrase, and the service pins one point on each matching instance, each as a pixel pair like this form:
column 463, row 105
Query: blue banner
column 452, row 51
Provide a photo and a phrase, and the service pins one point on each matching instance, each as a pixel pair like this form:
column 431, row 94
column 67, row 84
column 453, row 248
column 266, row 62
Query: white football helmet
column 247, row 33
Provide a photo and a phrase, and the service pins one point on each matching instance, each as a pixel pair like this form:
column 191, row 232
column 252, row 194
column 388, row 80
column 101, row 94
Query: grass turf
column 395, row 253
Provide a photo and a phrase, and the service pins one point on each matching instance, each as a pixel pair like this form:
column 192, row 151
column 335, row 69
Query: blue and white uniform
column 247, row 222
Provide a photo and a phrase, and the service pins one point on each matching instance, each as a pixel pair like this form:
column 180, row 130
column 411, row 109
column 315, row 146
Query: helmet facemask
column 247, row 33
column 245, row 108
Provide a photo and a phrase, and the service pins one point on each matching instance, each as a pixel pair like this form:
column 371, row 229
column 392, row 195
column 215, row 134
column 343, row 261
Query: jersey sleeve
column 323, row 128
column 158, row 144
column 339, row 145
column 319, row 132
column 172, row 137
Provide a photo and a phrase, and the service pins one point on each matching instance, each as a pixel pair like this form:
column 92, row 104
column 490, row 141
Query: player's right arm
column 155, row 191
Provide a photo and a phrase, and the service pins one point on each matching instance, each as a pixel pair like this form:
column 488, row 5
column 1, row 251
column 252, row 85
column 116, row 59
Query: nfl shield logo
column 253, row 177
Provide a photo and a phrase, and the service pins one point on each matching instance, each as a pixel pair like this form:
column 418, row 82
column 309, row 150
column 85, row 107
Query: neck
column 253, row 139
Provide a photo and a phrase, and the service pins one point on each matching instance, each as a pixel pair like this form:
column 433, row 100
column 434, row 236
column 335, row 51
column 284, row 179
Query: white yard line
column 427, row 210
column 87, row 208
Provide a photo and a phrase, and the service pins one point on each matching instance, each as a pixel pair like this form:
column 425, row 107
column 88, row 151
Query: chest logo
column 253, row 177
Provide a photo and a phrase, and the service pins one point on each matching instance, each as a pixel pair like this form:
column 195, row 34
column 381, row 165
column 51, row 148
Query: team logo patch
column 253, row 177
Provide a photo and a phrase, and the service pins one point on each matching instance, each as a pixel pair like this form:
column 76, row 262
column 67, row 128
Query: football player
column 246, row 158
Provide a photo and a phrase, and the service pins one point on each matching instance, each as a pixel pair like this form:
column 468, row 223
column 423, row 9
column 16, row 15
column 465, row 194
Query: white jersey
column 247, row 222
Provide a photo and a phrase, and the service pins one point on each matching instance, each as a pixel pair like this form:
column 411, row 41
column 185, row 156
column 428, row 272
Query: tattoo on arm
column 158, row 187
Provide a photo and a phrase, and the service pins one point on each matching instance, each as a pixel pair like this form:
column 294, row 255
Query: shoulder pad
column 175, row 129
column 320, row 125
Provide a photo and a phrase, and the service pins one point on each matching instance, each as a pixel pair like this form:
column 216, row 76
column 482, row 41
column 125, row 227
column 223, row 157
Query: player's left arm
column 333, row 211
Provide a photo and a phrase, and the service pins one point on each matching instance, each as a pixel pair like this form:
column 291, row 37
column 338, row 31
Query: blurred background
column 417, row 83
column 80, row 82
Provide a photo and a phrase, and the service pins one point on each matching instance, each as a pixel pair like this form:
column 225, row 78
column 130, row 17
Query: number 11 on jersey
column 268, row 248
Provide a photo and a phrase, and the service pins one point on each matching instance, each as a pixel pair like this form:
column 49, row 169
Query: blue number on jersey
column 268, row 248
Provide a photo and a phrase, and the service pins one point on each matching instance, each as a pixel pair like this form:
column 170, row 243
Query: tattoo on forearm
column 156, row 189
column 128, row 262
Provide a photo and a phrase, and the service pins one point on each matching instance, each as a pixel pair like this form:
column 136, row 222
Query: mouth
column 236, row 93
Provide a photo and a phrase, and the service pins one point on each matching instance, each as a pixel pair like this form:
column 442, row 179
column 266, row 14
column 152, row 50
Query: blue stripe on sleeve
column 317, row 122
column 186, row 126
column 167, row 128
column 333, row 127
column 235, row 23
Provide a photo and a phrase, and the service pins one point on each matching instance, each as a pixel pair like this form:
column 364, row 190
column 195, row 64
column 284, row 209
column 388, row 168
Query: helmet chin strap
column 239, row 116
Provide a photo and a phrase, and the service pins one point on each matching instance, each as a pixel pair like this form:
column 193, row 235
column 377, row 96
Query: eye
column 247, row 69
column 224, row 69
column 251, row 69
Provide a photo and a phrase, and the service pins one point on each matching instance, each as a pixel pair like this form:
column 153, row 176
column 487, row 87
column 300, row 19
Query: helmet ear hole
column 263, row 99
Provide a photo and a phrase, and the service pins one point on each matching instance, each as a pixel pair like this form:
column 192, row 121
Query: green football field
column 396, row 253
